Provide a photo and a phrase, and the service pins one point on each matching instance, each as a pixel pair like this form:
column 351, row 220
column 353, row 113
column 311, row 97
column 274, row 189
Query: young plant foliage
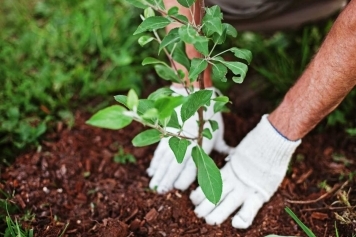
column 165, row 113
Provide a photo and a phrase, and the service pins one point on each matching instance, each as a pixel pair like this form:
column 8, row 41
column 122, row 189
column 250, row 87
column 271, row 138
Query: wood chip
column 151, row 215
column 319, row 216
column 20, row 201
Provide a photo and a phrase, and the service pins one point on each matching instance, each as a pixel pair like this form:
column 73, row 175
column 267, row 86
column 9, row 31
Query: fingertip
column 204, row 208
column 197, row 196
column 239, row 223
column 150, row 172
column 213, row 220
column 187, row 176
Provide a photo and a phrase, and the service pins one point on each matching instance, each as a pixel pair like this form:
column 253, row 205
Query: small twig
column 131, row 216
column 326, row 208
column 201, row 4
column 334, row 189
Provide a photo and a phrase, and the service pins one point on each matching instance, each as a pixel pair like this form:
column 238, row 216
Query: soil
column 74, row 188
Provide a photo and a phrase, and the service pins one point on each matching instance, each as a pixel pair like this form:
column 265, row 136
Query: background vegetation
column 57, row 55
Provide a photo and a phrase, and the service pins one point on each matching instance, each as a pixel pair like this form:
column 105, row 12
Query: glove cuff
column 261, row 159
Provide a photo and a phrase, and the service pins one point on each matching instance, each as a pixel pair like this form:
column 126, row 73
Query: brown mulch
column 72, row 185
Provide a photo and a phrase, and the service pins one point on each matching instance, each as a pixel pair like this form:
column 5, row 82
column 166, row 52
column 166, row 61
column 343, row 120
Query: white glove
column 164, row 169
column 250, row 177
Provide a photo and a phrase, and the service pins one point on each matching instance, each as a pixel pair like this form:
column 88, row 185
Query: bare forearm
column 328, row 79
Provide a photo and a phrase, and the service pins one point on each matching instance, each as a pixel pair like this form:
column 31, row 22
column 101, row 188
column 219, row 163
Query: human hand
column 250, row 177
column 165, row 171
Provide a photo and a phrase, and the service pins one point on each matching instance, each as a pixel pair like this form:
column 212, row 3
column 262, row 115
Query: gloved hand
column 250, row 177
column 165, row 171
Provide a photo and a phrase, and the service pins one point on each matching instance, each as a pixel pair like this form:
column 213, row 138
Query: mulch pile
column 74, row 187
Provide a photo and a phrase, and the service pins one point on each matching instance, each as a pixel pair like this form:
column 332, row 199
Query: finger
column 243, row 219
column 221, row 212
column 161, row 170
column 172, row 173
column 197, row 196
column 205, row 207
column 187, row 176
column 157, row 157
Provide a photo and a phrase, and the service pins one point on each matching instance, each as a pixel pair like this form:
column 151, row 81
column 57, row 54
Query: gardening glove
column 250, row 177
column 165, row 171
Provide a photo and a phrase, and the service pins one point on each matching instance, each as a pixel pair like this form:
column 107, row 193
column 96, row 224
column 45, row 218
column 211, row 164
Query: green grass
column 58, row 54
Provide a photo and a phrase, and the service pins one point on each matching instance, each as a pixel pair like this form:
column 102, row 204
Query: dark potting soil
column 73, row 186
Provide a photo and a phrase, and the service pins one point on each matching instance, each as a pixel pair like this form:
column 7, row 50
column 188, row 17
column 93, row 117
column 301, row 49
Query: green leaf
column 213, row 11
column 188, row 34
column 150, row 60
column 207, row 133
column 137, row 3
column 239, row 69
column 173, row 11
column 148, row 12
column 152, row 23
column 166, row 105
column 161, row 92
column 167, row 73
column 214, row 125
column 157, row 3
column 143, row 104
column 173, row 122
column 212, row 25
column 150, row 114
column 121, row 99
column 222, row 98
column 230, row 30
column 170, row 38
column 198, row 66
column 219, row 72
column 146, row 138
column 219, row 39
column 220, row 103
column 209, row 177
column 181, row 74
column 111, row 117
column 201, row 45
column 238, row 79
column 180, row 56
column 143, row 40
column 242, row 53
column 179, row 147
column 186, row 3
column 182, row 18
column 132, row 100
column 194, row 102
column 219, row 107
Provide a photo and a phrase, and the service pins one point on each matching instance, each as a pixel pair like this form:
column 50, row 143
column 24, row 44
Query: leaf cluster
column 158, row 113
column 204, row 37
column 165, row 113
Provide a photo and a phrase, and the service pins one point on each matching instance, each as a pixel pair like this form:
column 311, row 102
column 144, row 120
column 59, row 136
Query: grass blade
column 299, row 222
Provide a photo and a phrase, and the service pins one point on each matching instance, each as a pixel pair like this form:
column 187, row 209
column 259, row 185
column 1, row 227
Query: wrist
column 262, row 158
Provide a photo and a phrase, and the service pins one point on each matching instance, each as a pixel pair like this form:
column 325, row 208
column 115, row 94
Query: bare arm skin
column 329, row 78
column 190, row 50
